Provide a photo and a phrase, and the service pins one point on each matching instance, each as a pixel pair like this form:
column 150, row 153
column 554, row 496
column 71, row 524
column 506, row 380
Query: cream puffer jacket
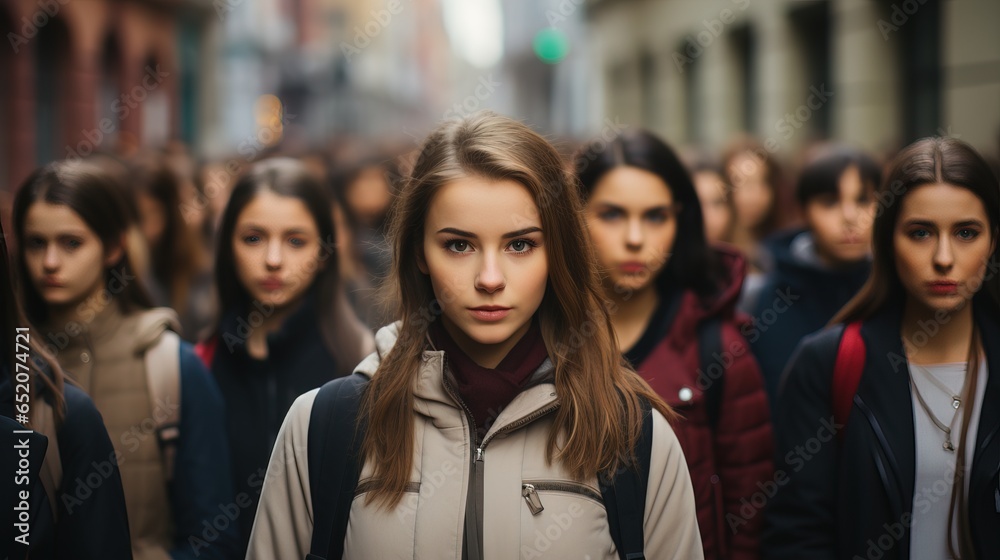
column 529, row 509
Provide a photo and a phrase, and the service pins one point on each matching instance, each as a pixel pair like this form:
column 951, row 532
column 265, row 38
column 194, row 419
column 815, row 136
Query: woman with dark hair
column 818, row 269
column 671, row 297
column 89, row 525
column 179, row 275
column 161, row 407
column 905, row 379
column 286, row 327
column 488, row 421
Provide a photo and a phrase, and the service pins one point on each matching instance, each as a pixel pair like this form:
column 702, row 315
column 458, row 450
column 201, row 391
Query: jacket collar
column 431, row 393
column 891, row 417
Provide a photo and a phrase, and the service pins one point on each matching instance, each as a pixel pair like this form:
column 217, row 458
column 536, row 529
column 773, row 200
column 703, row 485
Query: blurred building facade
column 97, row 75
column 874, row 73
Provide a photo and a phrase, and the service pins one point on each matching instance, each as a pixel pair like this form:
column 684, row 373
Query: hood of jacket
column 794, row 258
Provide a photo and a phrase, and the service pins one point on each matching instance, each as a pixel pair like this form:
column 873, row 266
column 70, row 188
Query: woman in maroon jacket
column 672, row 303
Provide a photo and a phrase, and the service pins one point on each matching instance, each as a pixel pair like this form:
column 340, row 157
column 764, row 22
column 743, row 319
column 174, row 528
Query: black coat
column 798, row 298
column 258, row 393
column 836, row 500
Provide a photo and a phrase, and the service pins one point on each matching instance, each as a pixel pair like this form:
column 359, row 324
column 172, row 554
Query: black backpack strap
column 334, row 462
column 709, row 347
column 625, row 496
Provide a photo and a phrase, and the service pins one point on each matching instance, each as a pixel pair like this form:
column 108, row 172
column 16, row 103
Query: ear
column 114, row 253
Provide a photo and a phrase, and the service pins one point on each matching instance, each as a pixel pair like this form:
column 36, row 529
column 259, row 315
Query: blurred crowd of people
column 272, row 272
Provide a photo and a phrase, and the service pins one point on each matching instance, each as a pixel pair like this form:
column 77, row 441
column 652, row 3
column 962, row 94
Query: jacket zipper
column 530, row 490
column 476, row 479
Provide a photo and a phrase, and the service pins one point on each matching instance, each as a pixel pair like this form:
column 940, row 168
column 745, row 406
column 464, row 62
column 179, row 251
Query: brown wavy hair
column 600, row 413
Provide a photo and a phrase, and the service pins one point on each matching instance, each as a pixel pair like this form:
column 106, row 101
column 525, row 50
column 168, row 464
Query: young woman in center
column 500, row 395
column 670, row 293
column 902, row 462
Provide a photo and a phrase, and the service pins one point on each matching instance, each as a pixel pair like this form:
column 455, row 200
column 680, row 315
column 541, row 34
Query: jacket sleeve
column 284, row 523
column 92, row 522
column 799, row 520
column 201, row 493
column 671, row 520
column 743, row 445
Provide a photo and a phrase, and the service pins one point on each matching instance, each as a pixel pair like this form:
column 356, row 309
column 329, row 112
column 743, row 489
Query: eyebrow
column 508, row 235
column 293, row 231
column 611, row 206
column 928, row 223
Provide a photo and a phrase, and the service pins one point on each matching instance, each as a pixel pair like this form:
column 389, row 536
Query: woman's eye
column 35, row 243
column 251, row 239
column 609, row 214
column 657, row 217
column 967, row 234
column 297, row 242
column 457, row 246
column 72, row 244
column 522, row 245
column 920, row 234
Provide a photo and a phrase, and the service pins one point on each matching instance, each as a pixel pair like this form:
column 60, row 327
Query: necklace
column 956, row 403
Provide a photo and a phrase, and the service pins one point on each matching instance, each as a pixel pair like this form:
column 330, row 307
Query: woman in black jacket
column 84, row 516
column 908, row 469
column 286, row 326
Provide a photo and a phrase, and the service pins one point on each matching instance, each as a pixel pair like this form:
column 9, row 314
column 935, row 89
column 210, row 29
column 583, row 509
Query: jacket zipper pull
column 479, row 454
column 532, row 499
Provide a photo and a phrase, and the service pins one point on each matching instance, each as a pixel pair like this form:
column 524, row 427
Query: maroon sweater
column 487, row 391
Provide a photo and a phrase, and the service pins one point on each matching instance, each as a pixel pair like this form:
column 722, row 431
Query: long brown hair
column 927, row 161
column 43, row 371
column 600, row 413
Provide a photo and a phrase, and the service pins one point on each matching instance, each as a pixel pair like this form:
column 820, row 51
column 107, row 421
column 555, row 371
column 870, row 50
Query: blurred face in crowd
column 752, row 196
column 65, row 258
column 841, row 223
column 942, row 242
column 715, row 208
column 632, row 220
column 276, row 247
column 152, row 218
column 369, row 196
column 484, row 252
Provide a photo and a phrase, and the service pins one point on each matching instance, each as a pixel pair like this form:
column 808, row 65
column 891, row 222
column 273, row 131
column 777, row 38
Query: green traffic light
column 550, row 45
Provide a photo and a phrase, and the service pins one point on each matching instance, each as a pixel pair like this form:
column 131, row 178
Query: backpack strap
column 335, row 438
column 710, row 346
column 625, row 497
column 847, row 372
column 163, row 381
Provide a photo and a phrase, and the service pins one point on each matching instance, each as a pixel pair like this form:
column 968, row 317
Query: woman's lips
column 943, row 288
column 489, row 312
column 272, row 285
column 632, row 267
column 52, row 283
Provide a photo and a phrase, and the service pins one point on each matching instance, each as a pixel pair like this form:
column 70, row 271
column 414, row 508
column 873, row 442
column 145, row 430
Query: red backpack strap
column 847, row 372
column 206, row 350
